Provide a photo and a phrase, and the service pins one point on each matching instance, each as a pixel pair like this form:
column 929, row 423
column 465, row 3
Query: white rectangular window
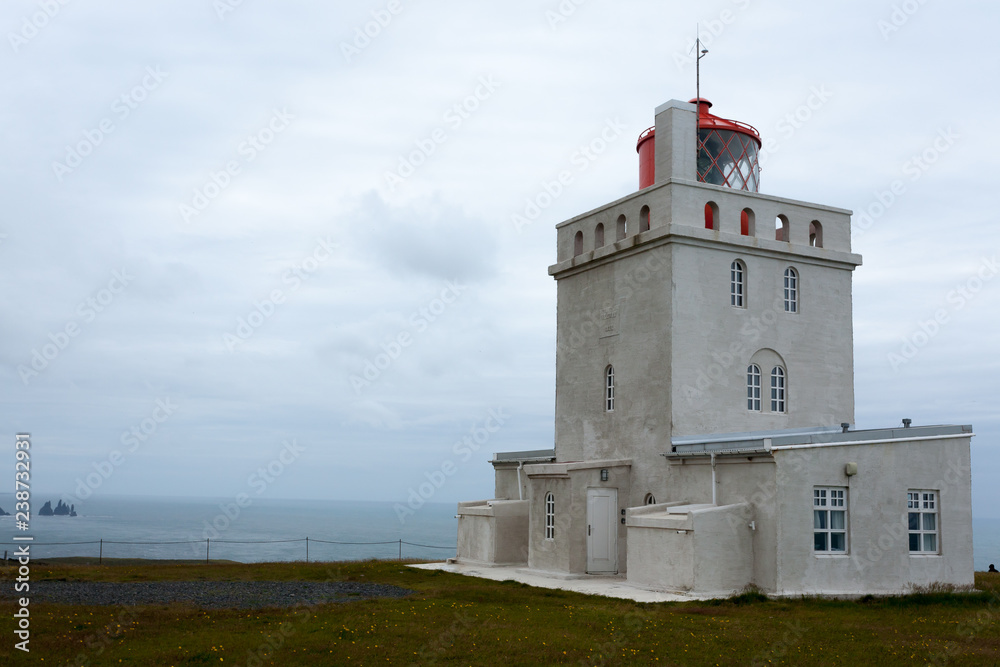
column 922, row 521
column 830, row 520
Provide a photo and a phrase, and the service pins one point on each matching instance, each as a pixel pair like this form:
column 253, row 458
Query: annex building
column 704, row 413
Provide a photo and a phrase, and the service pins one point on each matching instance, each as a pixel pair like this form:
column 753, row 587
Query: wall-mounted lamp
column 604, row 474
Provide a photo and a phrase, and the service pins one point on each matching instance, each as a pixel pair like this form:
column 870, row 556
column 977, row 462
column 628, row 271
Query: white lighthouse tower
column 705, row 397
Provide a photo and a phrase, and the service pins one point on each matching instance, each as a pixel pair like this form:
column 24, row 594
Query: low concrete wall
column 493, row 531
column 696, row 548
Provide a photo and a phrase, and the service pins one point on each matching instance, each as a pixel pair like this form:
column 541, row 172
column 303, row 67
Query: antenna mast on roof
column 699, row 54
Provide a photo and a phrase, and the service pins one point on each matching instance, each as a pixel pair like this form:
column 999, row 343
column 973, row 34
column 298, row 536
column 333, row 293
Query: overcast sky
column 218, row 214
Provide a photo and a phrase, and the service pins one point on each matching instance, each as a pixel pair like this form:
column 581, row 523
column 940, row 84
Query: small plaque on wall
column 608, row 322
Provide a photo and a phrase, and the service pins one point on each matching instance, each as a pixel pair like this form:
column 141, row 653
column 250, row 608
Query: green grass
column 456, row 620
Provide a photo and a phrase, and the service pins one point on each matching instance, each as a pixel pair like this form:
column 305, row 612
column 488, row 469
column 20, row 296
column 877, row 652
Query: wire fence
column 101, row 543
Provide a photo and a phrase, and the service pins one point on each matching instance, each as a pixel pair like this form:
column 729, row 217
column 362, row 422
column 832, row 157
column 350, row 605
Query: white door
column 602, row 531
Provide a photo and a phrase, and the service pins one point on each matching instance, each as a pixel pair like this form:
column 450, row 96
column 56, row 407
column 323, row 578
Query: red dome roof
column 709, row 121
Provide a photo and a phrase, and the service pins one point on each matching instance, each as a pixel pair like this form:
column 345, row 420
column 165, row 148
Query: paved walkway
column 610, row 586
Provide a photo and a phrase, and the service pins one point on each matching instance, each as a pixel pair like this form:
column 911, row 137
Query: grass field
column 457, row 620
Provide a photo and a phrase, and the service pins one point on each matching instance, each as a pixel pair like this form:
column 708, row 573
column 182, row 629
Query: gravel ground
column 207, row 594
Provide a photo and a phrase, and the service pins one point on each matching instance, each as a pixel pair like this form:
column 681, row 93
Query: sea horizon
column 273, row 529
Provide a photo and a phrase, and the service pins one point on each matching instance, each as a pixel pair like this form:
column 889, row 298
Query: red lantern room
column 727, row 152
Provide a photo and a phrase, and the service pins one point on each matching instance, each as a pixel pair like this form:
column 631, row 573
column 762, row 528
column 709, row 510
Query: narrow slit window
column 791, row 290
column 609, row 389
column 753, row 388
column 737, row 284
column 550, row 517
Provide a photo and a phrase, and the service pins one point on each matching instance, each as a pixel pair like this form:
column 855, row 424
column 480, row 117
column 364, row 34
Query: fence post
column 208, row 547
column 100, row 554
column 400, row 549
column 307, row 549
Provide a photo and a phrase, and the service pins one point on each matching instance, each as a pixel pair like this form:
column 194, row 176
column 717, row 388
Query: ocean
column 259, row 529
column 255, row 533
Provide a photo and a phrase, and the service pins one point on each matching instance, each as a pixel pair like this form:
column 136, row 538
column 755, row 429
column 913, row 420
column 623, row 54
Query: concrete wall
column 738, row 481
column 569, row 482
column 714, row 342
column 505, row 485
column 493, row 531
column 705, row 550
column 878, row 558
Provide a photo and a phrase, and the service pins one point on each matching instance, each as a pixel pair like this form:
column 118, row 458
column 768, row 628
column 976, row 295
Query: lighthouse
column 704, row 405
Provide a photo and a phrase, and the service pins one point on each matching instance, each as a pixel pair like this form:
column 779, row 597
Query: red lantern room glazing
column 728, row 152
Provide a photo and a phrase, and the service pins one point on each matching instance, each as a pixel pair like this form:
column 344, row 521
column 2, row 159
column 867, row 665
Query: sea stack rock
column 2, row 513
column 46, row 509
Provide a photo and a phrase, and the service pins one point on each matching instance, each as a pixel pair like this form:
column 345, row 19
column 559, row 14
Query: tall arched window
column 753, row 388
column 599, row 235
column 711, row 215
column 816, row 234
column 609, row 389
column 550, row 516
column 791, row 290
column 737, row 284
column 644, row 219
column 777, row 389
column 578, row 244
column 622, row 228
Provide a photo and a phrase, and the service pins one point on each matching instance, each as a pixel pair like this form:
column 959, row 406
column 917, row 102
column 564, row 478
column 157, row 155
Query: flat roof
column 764, row 441
column 529, row 455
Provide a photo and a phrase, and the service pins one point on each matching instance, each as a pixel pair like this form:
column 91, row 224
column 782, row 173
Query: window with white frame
column 777, row 389
column 737, row 284
column 830, row 520
column 550, row 517
column 609, row 389
column 791, row 290
column 753, row 388
column 922, row 521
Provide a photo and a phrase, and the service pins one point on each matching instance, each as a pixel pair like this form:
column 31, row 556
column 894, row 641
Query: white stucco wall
column 878, row 558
